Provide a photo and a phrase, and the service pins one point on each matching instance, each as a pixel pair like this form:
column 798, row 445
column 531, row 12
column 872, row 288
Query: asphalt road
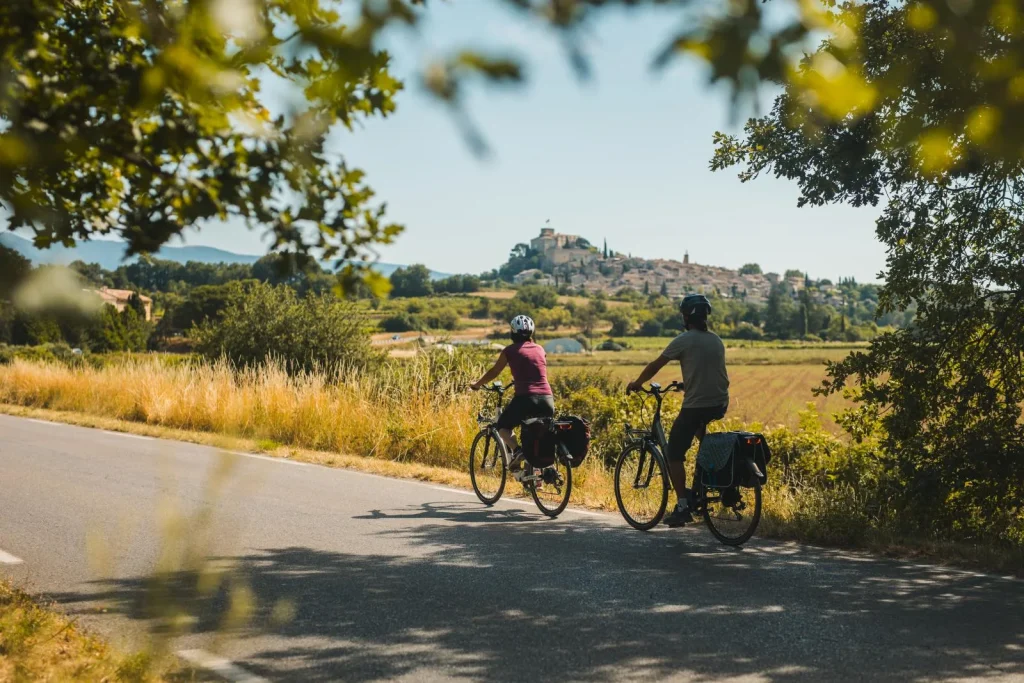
column 400, row 580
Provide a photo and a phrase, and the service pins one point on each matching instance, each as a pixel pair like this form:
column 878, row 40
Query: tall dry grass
column 384, row 413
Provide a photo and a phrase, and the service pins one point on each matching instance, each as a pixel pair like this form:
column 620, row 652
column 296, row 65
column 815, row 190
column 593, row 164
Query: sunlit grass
column 380, row 415
column 38, row 644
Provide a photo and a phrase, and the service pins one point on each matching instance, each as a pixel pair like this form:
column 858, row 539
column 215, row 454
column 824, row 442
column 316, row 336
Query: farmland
column 770, row 383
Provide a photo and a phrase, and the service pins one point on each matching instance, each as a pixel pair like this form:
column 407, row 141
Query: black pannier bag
column 539, row 441
column 573, row 432
column 731, row 459
column 752, row 457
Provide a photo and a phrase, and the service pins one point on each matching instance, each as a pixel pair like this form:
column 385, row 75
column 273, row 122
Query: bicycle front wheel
column 487, row 468
column 551, row 492
column 732, row 515
column 641, row 487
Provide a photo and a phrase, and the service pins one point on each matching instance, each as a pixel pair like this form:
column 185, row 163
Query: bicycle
column 489, row 463
column 642, row 468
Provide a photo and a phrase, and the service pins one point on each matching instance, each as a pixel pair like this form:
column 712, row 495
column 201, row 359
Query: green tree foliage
column 299, row 271
column 141, row 119
column 750, row 269
column 521, row 258
column 946, row 390
column 92, row 273
column 263, row 321
column 125, row 330
column 533, row 298
column 458, row 284
column 622, row 321
column 411, row 281
column 202, row 304
column 14, row 268
column 158, row 275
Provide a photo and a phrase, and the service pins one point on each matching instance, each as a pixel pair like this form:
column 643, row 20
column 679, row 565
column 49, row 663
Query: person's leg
column 680, row 438
column 696, row 490
column 679, row 441
column 511, row 417
column 509, row 439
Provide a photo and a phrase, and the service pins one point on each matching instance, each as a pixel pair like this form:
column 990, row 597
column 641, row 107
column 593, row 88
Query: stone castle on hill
column 573, row 261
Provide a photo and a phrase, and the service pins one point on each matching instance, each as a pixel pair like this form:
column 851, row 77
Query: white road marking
column 7, row 558
column 448, row 490
column 130, row 436
column 269, row 457
column 224, row 668
column 45, row 422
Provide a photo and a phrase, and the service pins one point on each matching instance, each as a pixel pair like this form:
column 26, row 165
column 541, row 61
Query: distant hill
column 110, row 255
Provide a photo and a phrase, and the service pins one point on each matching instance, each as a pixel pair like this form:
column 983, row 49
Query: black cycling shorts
column 523, row 408
column 690, row 423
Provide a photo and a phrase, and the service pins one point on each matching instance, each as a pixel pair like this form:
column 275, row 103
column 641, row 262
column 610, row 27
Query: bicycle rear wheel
column 733, row 519
column 551, row 492
column 641, row 487
column 487, row 468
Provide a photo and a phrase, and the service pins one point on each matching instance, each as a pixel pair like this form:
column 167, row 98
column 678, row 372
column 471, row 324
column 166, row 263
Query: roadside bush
column 403, row 322
column 44, row 353
column 264, row 322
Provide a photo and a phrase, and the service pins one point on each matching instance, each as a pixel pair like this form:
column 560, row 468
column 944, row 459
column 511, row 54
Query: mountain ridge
column 110, row 254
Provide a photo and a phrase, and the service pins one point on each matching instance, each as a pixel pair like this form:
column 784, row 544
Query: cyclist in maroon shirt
column 528, row 363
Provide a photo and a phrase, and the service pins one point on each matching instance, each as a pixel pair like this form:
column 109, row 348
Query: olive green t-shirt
column 701, row 356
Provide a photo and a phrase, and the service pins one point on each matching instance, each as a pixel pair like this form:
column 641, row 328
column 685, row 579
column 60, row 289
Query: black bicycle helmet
column 695, row 305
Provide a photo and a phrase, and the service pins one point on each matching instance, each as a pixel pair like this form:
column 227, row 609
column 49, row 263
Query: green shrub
column 403, row 322
column 264, row 322
column 746, row 331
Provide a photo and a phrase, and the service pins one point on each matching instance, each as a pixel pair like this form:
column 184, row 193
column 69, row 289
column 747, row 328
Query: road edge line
column 224, row 668
column 7, row 558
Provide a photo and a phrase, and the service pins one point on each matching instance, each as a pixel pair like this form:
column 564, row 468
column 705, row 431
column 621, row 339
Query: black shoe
column 678, row 517
column 516, row 461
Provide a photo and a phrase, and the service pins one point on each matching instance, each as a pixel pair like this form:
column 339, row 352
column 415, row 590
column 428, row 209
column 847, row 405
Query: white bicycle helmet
column 522, row 324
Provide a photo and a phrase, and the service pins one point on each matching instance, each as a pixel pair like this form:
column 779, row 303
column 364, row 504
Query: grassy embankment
column 38, row 644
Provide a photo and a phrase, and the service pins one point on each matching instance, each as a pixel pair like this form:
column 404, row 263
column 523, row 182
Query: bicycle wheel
column 487, row 467
column 551, row 492
column 733, row 521
column 641, row 487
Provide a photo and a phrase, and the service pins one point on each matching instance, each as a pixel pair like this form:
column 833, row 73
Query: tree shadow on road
column 499, row 594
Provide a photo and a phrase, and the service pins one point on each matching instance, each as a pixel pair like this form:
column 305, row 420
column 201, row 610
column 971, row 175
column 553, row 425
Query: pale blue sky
column 623, row 157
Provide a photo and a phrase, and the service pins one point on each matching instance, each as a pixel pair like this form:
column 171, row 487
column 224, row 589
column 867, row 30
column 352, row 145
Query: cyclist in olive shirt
column 701, row 355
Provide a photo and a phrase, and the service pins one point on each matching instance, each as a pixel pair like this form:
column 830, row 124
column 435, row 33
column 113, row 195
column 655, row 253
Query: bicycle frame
column 654, row 443
column 491, row 423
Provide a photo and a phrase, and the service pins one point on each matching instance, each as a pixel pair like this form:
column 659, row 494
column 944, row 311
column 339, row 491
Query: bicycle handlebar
column 658, row 391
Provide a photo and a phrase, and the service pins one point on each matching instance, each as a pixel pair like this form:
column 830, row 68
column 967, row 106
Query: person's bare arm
column 648, row 373
column 491, row 374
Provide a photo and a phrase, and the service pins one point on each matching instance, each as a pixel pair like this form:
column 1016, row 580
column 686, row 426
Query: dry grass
column 37, row 644
column 363, row 414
